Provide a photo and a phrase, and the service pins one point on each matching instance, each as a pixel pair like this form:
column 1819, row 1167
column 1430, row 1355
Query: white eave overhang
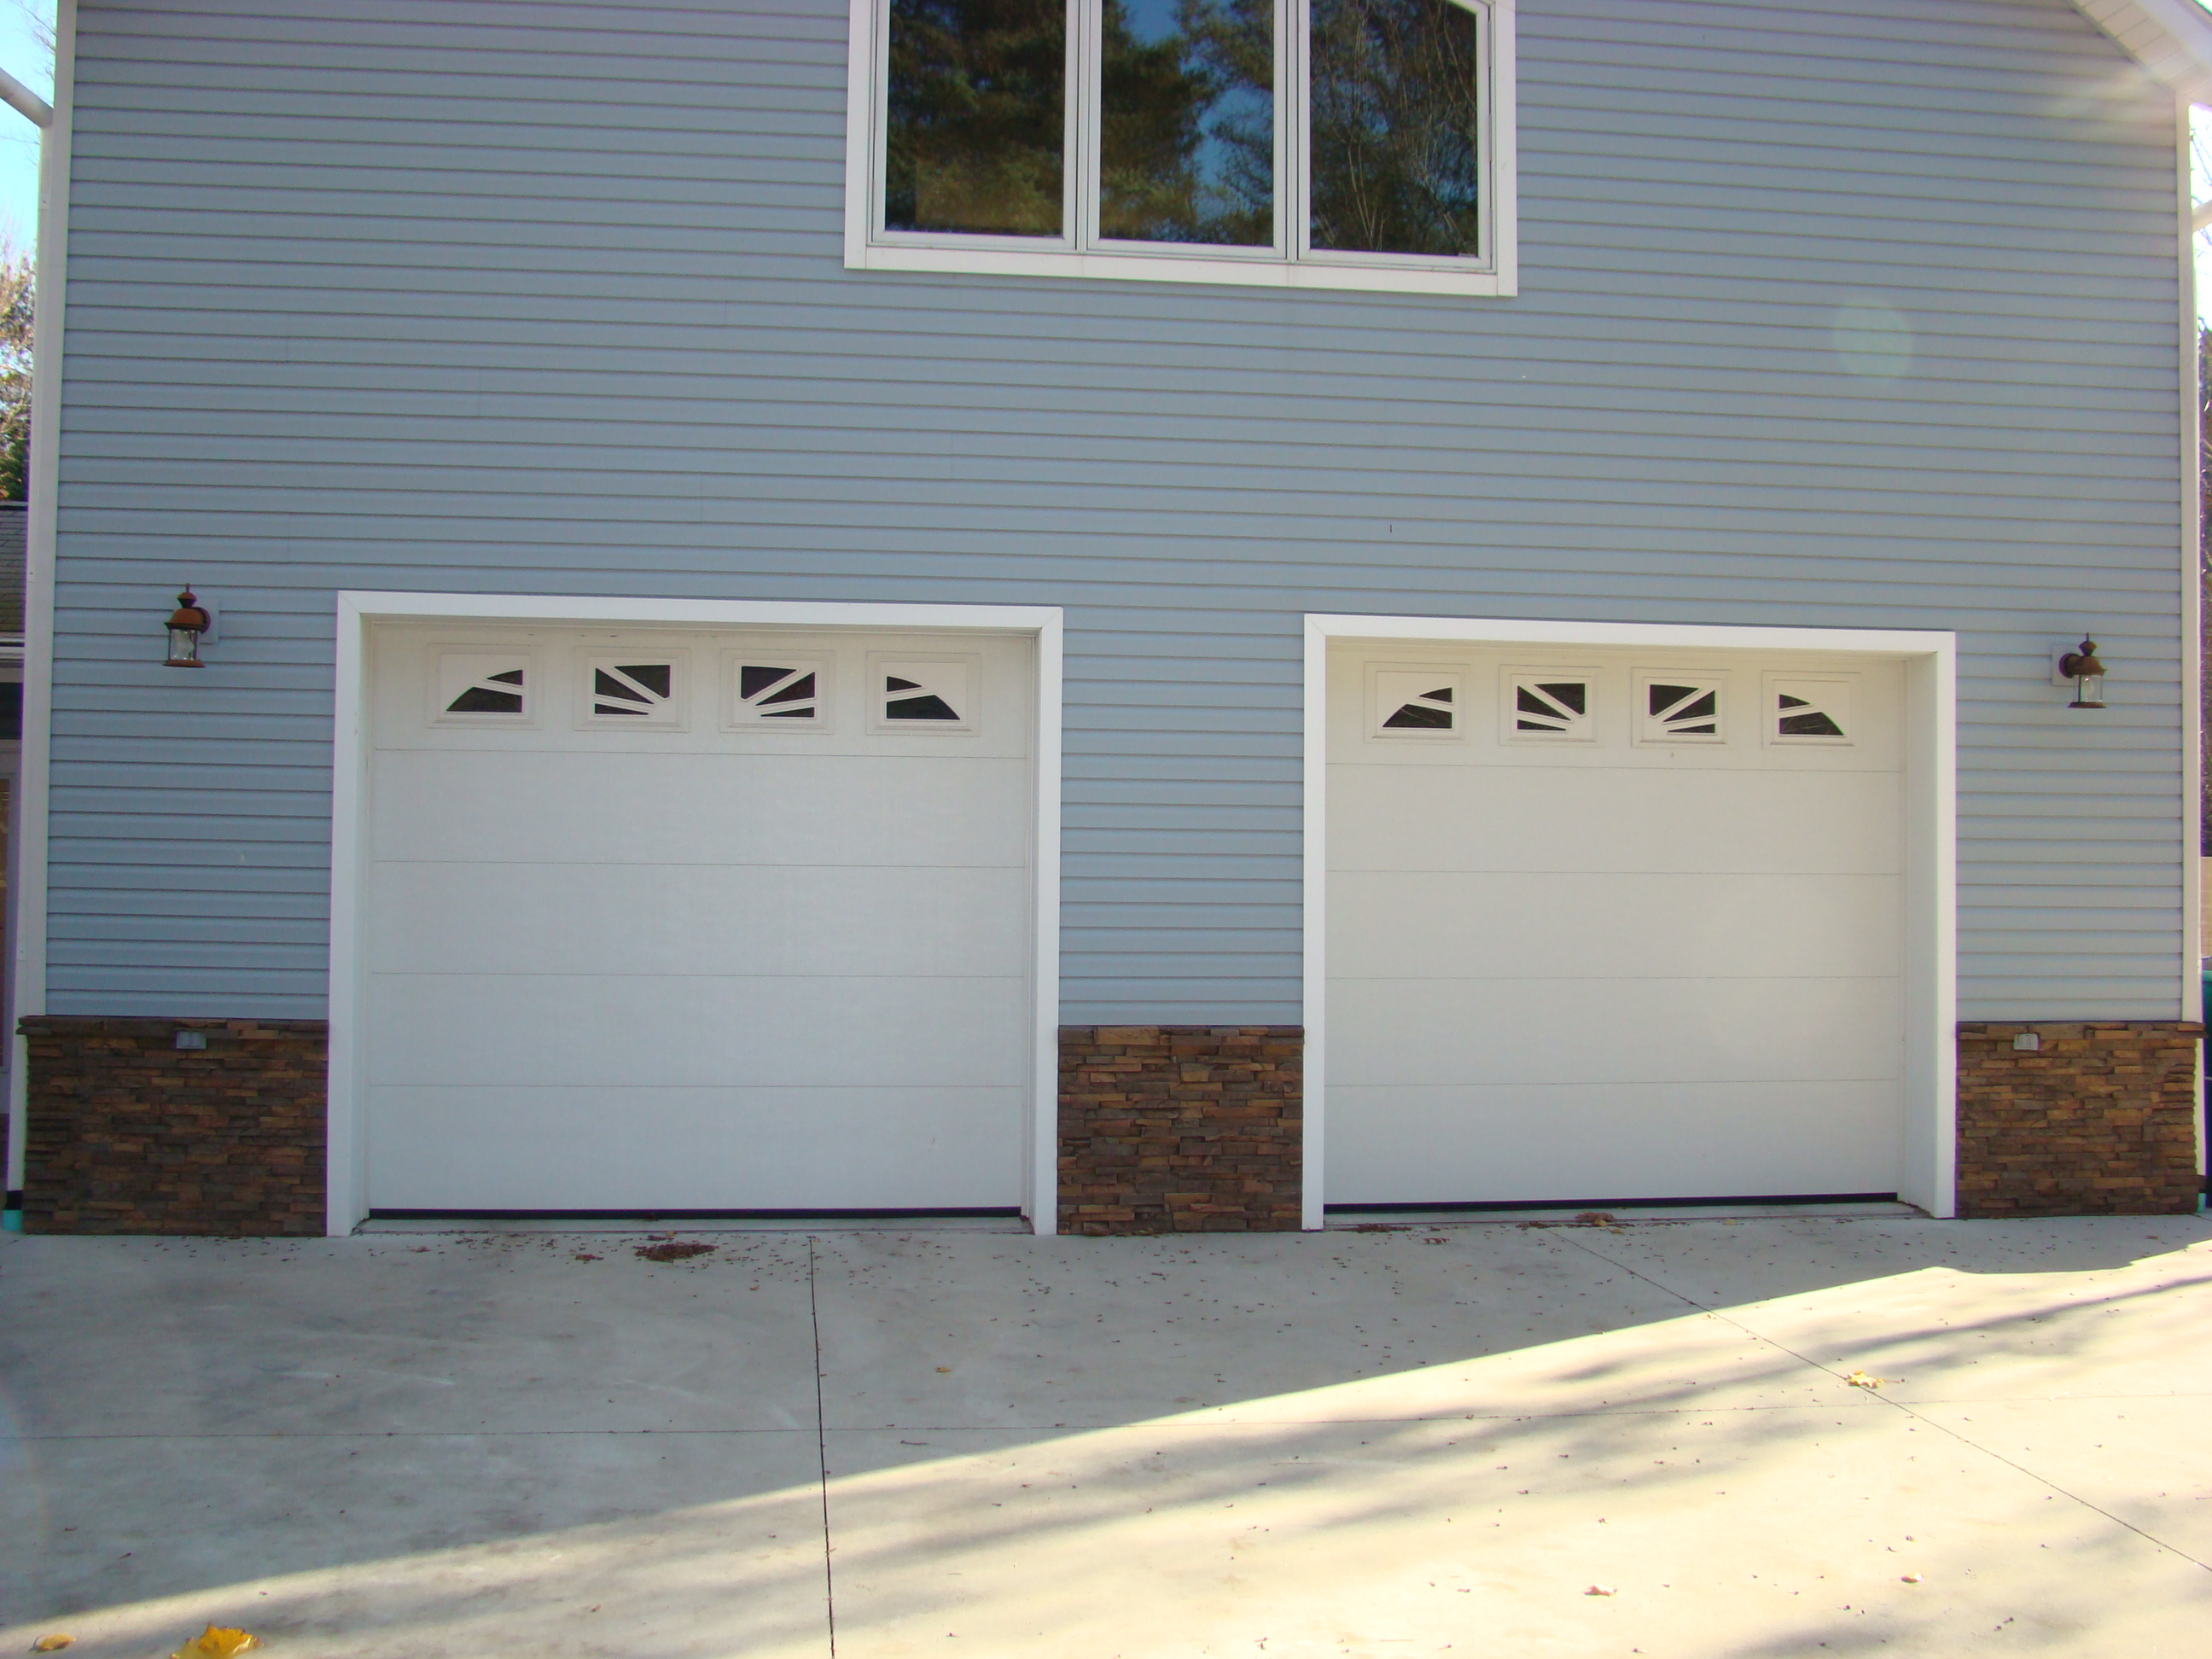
column 2171, row 39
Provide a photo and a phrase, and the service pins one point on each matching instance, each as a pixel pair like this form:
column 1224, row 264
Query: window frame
column 1291, row 263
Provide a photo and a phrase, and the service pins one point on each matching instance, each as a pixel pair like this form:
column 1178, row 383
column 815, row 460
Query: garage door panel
column 1591, row 1030
column 1581, row 948
column 900, row 1147
column 1501, row 1143
column 716, row 958
column 641, row 918
column 613, row 807
column 1428, row 924
column 1612, row 818
column 689, row 1030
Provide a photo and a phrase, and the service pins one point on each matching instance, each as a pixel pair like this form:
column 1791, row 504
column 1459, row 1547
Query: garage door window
column 923, row 696
column 628, row 693
column 476, row 688
column 1550, row 708
column 790, row 694
column 1419, row 702
column 1809, row 711
column 1679, row 708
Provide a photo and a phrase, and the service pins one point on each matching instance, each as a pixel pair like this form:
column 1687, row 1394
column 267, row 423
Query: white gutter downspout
column 35, row 110
column 27, row 846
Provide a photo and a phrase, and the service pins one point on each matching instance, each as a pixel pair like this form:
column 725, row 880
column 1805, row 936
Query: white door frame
column 1929, row 1175
column 347, row 1164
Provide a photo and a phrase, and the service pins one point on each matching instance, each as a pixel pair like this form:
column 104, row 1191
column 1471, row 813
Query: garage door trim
column 347, row 1161
column 1931, row 661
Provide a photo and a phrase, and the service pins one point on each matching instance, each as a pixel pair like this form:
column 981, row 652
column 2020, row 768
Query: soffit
column 2171, row 39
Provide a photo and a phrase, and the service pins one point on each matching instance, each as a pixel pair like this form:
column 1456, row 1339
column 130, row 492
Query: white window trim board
column 1499, row 278
column 1928, row 1177
column 26, row 847
column 347, row 1164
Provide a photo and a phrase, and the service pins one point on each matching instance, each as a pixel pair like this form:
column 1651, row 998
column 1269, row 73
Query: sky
column 23, row 56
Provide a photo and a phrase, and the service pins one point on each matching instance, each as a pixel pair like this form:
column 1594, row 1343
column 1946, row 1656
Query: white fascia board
column 2171, row 39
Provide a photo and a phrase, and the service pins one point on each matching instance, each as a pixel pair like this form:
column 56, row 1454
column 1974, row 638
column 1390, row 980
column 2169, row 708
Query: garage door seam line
column 1899, row 1407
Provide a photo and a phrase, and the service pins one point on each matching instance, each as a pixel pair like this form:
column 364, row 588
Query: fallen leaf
column 942, row 1369
column 1600, row 1589
column 54, row 1644
column 1861, row 1380
column 217, row 1642
column 1912, row 1578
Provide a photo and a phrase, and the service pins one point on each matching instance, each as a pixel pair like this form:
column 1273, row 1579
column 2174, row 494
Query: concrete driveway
column 1372, row 1444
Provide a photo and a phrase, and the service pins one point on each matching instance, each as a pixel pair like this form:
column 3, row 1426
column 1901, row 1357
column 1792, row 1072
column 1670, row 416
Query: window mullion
column 1084, row 25
column 1294, row 168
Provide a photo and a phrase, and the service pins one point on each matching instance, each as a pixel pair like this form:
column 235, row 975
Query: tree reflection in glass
column 975, row 129
column 1394, row 127
column 1187, row 122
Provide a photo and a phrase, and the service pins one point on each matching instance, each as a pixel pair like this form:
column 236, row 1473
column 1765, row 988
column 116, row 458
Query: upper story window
column 1306, row 143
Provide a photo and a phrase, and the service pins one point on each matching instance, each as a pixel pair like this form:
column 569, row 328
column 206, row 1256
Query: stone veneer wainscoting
column 1163, row 1129
column 2100, row 1120
column 129, row 1133
column 1180, row 1129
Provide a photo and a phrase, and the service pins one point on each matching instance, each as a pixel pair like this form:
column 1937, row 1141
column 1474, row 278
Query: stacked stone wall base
column 2099, row 1119
column 129, row 1133
column 1180, row 1129
column 1162, row 1128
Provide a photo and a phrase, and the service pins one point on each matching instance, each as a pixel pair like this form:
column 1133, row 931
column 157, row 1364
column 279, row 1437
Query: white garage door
column 1605, row 927
column 665, row 921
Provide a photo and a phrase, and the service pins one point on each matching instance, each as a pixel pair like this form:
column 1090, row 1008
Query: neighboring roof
column 2171, row 39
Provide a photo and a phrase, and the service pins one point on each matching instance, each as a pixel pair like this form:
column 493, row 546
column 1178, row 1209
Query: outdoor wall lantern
column 2088, row 674
column 187, row 623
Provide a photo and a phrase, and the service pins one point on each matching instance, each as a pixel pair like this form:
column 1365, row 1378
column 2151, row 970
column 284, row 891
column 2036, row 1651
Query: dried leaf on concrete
column 216, row 1641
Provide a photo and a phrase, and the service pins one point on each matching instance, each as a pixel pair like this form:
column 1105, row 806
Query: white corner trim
column 1928, row 1177
column 1496, row 277
column 1314, row 966
column 347, row 1170
column 1044, row 1117
column 2187, row 458
column 27, row 849
column 345, row 1201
